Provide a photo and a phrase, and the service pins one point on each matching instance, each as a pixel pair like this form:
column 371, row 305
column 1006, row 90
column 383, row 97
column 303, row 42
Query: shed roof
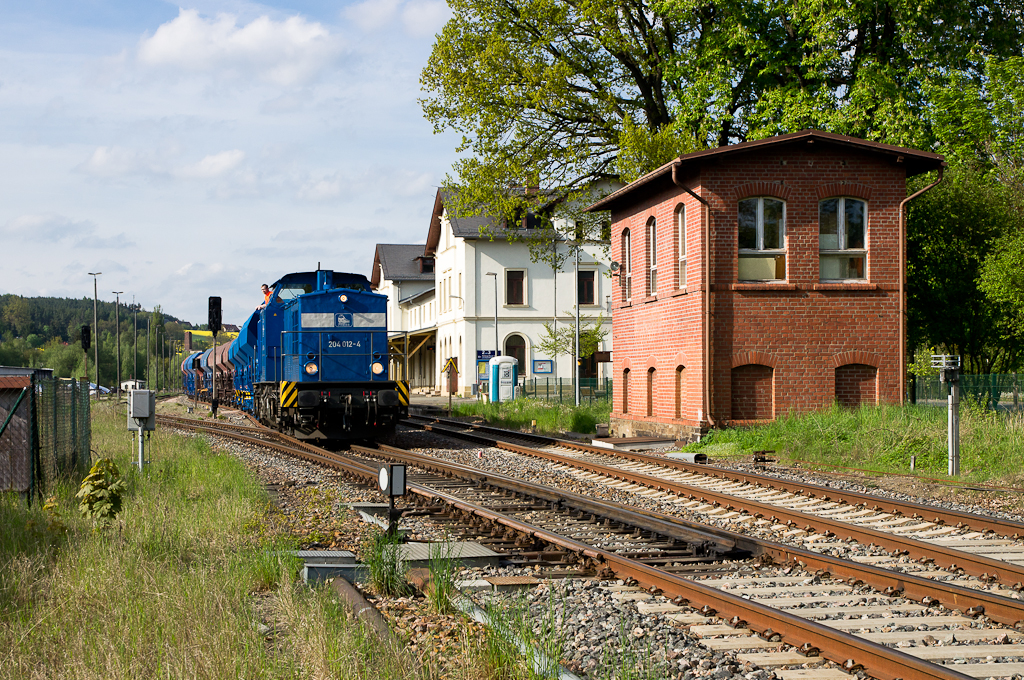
column 916, row 162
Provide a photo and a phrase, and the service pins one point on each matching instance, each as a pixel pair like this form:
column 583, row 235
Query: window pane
column 585, row 288
column 828, row 224
column 514, row 288
column 773, row 226
column 748, row 223
column 652, row 244
column 762, row 268
column 842, row 267
column 681, row 229
column 854, row 223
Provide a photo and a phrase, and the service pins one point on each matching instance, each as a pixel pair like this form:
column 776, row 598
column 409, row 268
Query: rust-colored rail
column 950, row 558
column 939, row 515
column 879, row 661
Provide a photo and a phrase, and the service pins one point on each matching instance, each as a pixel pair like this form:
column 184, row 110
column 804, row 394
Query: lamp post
column 117, row 327
column 576, row 352
column 96, row 333
column 497, row 349
column 135, row 344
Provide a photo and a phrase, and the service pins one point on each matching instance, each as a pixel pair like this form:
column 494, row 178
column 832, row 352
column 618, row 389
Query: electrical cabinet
column 142, row 410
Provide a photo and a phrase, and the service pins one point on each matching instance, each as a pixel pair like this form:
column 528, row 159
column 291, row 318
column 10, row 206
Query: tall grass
column 883, row 438
column 552, row 418
column 386, row 570
column 181, row 584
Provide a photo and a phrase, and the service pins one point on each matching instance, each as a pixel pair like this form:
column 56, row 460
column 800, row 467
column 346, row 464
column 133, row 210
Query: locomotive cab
column 321, row 359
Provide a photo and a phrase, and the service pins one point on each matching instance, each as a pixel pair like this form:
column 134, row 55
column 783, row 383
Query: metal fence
column 47, row 433
column 1000, row 391
column 563, row 390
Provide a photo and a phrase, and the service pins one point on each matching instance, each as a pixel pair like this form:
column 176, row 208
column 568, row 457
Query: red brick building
column 798, row 236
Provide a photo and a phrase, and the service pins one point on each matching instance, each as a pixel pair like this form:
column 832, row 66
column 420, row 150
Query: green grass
column 883, row 439
column 551, row 417
column 184, row 582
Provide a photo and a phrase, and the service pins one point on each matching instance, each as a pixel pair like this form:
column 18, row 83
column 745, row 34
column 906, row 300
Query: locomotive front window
column 292, row 291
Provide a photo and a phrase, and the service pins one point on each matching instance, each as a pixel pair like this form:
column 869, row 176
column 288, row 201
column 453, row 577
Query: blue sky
column 203, row 149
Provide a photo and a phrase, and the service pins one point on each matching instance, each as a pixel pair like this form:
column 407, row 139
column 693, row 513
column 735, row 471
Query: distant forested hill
column 46, row 332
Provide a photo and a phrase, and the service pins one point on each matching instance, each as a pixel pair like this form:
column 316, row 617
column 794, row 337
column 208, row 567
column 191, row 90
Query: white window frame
column 680, row 222
column 841, row 233
column 760, row 250
column 526, row 287
column 652, row 257
column 627, row 264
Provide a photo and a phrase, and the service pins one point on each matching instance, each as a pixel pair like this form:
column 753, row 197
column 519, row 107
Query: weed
column 385, row 567
column 443, row 568
column 101, row 492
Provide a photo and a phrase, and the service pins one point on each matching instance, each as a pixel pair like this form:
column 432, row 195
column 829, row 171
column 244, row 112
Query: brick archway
column 753, row 392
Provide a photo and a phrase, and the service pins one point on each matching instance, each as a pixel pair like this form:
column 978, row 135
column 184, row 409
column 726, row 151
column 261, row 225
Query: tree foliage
column 953, row 230
column 554, row 342
column 570, row 94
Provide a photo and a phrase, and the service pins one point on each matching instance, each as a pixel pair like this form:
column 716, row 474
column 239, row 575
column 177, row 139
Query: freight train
column 313, row 362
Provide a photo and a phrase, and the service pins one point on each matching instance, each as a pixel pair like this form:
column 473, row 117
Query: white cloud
column 113, row 161
column 372, row 15
column 214, row 165
column 282, row 52
column 47, row 227
column 425, row 17
column 322, row 189
column 418, row 18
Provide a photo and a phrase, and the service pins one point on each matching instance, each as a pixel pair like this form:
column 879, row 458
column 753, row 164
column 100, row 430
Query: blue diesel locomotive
column 312, row 363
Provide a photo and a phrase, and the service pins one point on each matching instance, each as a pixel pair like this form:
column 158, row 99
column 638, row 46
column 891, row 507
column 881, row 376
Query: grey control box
column 142, row 410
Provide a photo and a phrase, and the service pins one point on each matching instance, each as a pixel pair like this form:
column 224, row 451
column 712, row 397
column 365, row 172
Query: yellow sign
column 452, row 365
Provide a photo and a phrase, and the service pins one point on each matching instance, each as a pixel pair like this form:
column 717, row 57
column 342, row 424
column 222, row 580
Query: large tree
column 569, row 94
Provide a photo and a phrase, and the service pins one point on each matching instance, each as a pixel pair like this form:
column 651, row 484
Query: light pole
column 135, row 344
column 96, row 333
column 117, row 329
column 576, row 352
column 497, row 349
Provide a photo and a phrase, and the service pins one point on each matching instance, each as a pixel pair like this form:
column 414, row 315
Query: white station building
column 463, row 296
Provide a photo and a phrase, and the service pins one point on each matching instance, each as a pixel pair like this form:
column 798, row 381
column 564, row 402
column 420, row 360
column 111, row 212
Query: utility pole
column 576, row 352
column 149, row 369
column 117, row 325
column 96, row 333
column 135, row 343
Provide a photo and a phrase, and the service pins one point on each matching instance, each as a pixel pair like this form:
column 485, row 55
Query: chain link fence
column 46, row 432
column 997, row 391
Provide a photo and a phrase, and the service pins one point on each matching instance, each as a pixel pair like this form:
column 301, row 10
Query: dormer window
column 426, row 265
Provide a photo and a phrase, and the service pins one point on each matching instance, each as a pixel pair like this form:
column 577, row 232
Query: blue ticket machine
column 504, row 373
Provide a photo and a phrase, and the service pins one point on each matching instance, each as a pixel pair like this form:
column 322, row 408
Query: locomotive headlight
column 377, row 368
column 343, row 298
column 311, row 368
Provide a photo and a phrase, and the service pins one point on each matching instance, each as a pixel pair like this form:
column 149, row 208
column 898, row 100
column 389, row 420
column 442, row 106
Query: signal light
column 86, row 337
column 214, row 316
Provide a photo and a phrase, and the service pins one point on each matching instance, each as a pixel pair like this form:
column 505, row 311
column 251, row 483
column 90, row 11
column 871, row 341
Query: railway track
column 850, row 619
column 987, row 548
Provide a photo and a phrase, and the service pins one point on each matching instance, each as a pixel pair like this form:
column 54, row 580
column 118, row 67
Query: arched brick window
column 752, row 392
column 680, row 375
column 627, row 267
column 680, row 246
column 652, row 257
column 856, row 384
column 842, row 238
column 650, row 391
column 762, row 239
column 625, row 390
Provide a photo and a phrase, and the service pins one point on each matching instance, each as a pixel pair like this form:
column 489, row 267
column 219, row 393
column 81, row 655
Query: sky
column 203, row 149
